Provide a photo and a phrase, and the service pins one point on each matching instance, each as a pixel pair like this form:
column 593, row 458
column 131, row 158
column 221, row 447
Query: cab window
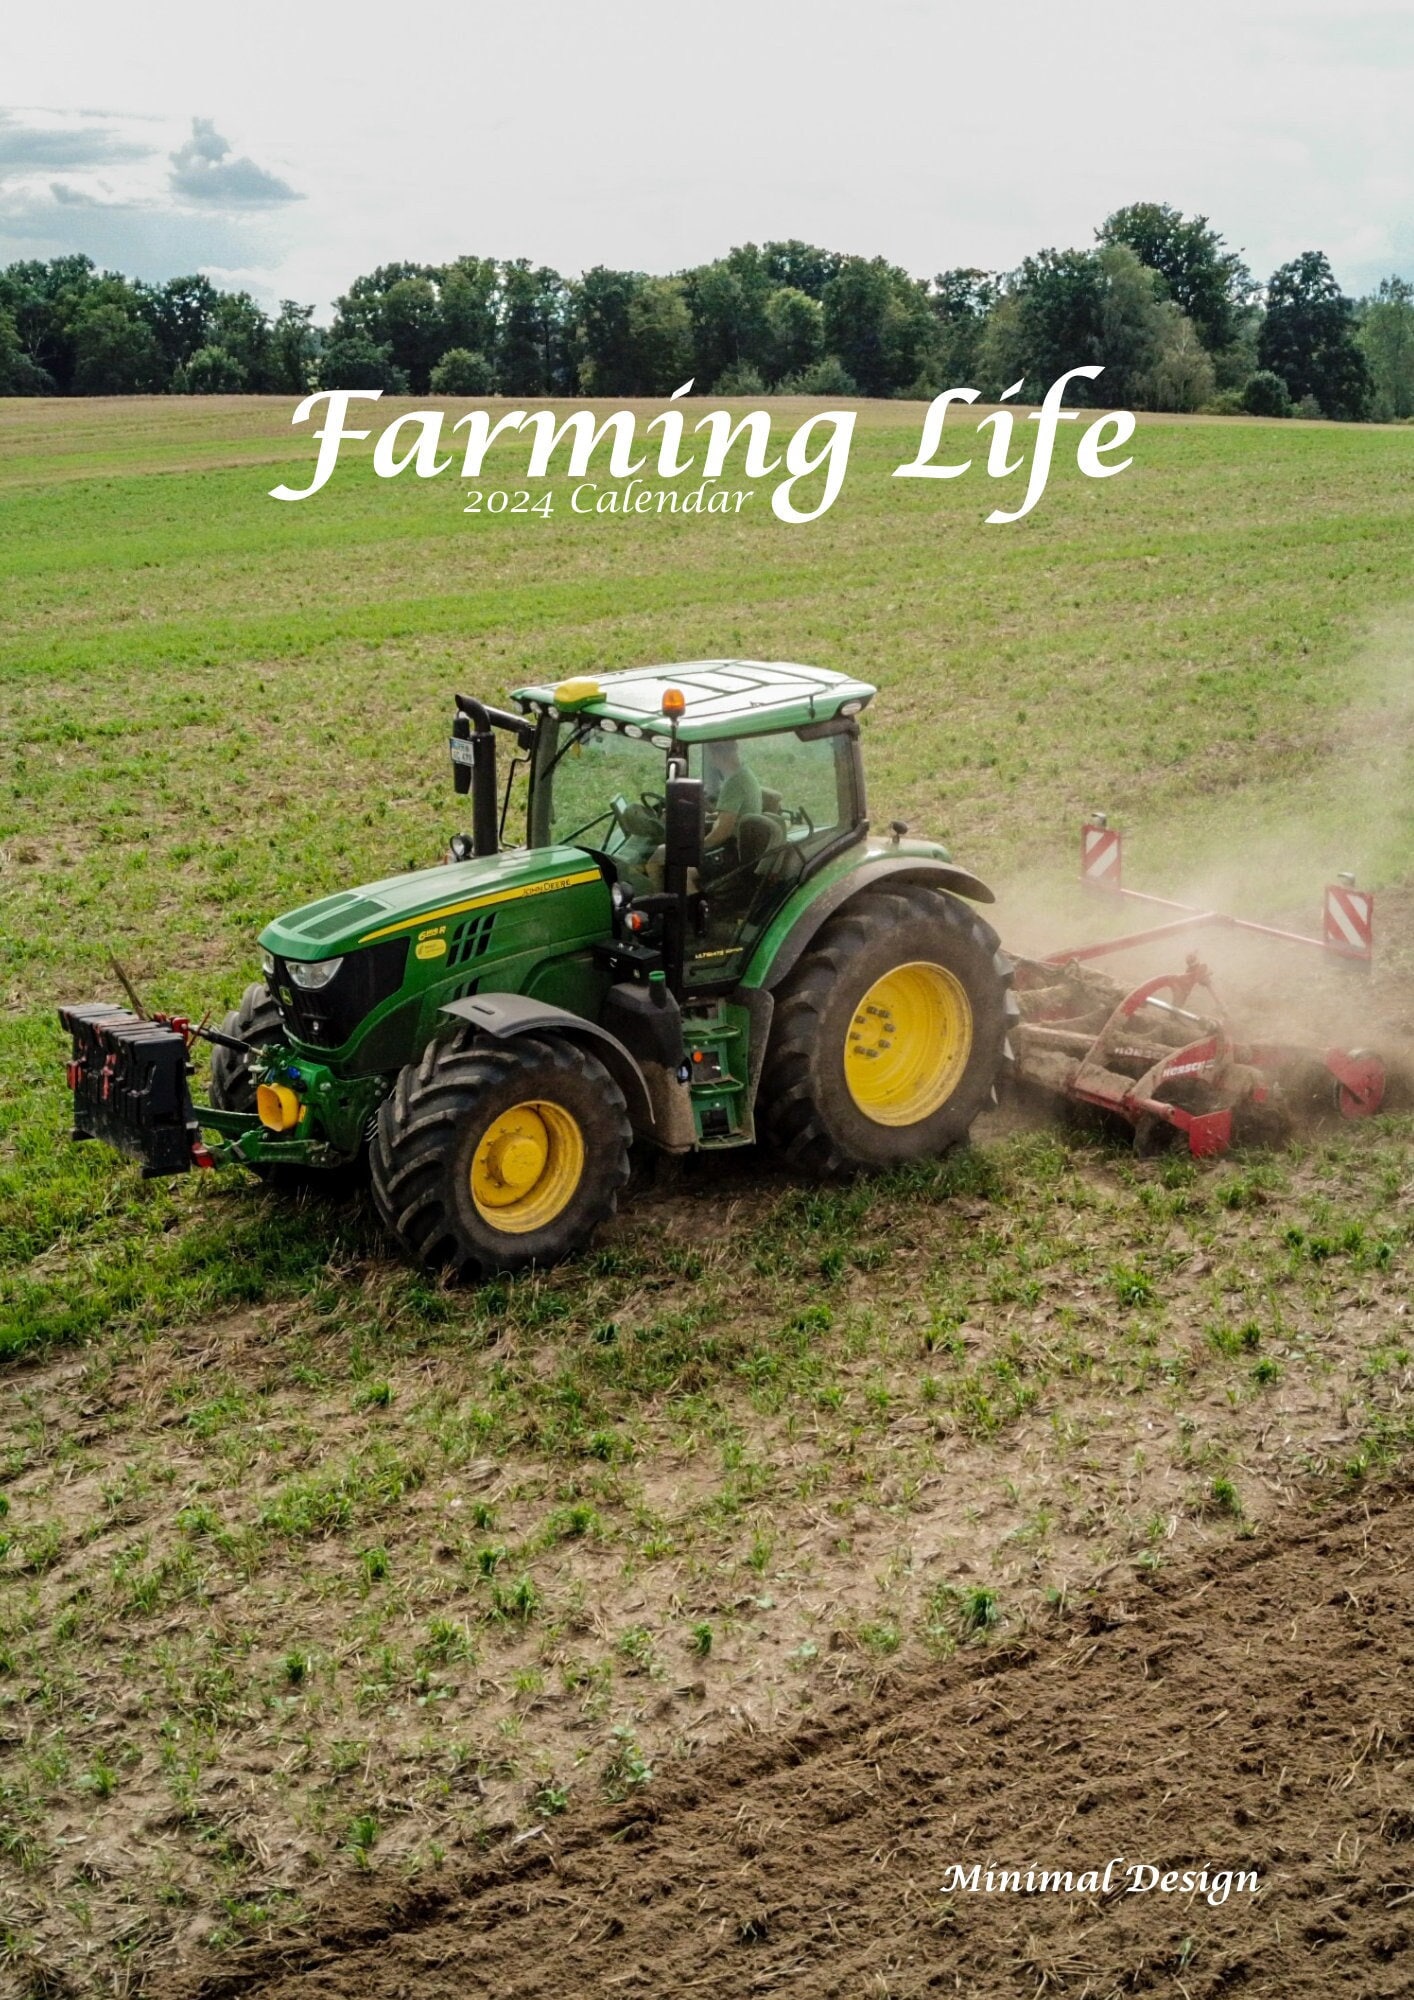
column 775, row 803
column 590, row 790
column 800, row 788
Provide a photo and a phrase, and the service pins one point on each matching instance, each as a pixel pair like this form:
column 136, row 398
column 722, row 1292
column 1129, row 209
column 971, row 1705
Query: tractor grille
column 327, row 1018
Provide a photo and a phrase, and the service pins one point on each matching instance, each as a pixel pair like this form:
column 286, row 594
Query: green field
column 215, row 706
column 310, row 1563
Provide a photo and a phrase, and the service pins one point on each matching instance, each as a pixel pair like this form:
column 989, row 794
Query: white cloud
column 31, row 148
column 155, row 198
column 205, row 169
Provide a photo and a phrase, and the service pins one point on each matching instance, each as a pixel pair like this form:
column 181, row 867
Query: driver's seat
column 758, row 836
column 761, row 842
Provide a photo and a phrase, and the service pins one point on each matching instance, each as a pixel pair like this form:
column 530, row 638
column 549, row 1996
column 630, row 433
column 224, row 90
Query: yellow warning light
column 674, row 703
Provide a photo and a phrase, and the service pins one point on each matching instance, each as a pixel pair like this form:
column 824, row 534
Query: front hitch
column 129, row 1074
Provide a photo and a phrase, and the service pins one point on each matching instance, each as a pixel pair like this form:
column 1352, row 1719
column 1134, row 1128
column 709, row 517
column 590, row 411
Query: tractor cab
column 760, row 758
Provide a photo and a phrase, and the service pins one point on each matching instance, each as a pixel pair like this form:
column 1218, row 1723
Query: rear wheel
column 491, row 1155
column 890, row 1034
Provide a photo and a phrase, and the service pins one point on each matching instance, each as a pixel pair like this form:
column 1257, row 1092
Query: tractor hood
column 430, row 906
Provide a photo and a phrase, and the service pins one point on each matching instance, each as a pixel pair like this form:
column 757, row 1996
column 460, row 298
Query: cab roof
column 722, row 697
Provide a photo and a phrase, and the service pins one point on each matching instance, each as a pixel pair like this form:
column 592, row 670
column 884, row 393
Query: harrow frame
column 1146, row 1055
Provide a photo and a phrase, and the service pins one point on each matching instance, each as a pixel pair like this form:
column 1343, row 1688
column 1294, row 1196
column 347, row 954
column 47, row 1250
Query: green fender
column 802, row 914
column 508, row 1014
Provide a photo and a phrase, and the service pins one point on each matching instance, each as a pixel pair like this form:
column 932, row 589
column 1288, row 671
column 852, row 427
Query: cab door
column 811, row 805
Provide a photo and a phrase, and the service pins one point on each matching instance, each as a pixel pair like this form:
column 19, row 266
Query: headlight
column 267, row 965
column 312, row 977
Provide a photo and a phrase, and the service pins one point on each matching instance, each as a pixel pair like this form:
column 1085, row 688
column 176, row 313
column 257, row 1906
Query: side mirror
column 684, row 831
column 461, row 755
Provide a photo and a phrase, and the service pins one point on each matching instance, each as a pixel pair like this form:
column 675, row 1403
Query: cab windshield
column 599, row 790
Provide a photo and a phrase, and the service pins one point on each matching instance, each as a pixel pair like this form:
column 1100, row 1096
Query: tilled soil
column 1247, row 1711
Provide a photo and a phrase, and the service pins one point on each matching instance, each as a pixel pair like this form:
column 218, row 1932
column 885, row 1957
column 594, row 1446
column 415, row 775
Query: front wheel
column 258, row 1021
column 491, row 1155
column 889, row 1035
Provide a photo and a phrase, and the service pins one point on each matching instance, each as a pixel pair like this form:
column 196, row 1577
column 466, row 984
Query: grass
column 289, row 1529
column 214, row 707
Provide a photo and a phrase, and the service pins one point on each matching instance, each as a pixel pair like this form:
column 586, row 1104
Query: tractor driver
column 733, row 793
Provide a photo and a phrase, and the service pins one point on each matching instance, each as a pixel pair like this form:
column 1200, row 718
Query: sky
column 286, row 149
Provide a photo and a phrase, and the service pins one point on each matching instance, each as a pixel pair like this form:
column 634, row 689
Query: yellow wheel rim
column 527, row 1166
column 908, row 1043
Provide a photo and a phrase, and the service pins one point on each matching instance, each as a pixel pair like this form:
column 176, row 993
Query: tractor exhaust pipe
column 474, row 771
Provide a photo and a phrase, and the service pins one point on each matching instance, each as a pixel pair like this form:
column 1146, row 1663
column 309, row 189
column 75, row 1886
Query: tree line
column 1175, row 317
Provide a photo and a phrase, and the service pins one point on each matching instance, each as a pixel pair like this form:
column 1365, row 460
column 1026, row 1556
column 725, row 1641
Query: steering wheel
column 629, row 817
column 798, row 816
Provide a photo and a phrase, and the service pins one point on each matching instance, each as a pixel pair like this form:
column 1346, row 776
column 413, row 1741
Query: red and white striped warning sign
column 1350, row 920
column 1099, row 855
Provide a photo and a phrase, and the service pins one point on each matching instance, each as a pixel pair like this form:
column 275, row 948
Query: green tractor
column 698, row 945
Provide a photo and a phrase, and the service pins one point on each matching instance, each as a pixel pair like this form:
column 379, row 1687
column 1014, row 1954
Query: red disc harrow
column 1162, row 1055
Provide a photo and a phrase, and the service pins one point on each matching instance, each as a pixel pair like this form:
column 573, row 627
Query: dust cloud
column 1266, row 854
